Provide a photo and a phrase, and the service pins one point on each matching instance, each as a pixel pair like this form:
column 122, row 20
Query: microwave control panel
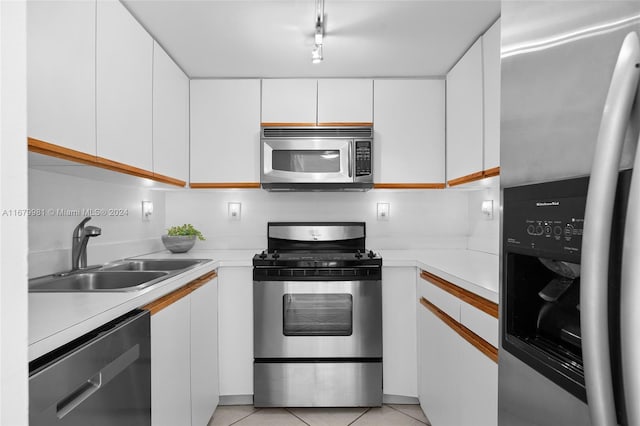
column 363, row 158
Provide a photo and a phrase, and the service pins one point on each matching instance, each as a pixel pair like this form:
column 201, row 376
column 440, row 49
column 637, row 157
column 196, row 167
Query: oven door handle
column 351, row 159
column 629, row 298
column 597, row 233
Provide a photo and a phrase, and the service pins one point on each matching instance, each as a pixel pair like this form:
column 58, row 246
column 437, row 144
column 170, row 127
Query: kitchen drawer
column 484, row 325
column 445, row 301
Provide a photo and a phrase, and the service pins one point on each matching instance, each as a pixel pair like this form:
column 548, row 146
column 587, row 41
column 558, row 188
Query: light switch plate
column 383, row 211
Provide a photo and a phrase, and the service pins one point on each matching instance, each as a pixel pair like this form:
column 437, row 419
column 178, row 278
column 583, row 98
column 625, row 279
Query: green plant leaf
column 186, row 229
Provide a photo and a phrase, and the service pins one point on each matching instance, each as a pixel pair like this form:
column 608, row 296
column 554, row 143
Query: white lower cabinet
column 235, row 305
column 399, row 331
column 184, row 358
column 439, row 369
column 170, row 367
column 458, row 384
column 204, row 353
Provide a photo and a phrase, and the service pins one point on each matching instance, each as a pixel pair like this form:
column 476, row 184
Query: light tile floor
column 387, row 415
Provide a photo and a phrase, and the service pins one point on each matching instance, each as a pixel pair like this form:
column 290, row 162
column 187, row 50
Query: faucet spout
column 80, row 238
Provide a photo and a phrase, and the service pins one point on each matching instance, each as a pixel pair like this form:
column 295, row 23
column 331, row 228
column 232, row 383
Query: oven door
column 307, row 161
column 317, row 319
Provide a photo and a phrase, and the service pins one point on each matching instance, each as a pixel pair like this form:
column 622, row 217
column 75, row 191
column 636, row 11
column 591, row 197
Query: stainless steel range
column 317, row 296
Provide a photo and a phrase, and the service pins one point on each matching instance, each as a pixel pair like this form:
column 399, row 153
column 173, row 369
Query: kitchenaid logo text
column 547, row 203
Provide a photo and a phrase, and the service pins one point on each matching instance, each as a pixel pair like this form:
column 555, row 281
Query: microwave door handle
column 629, row 299
column 597, row 232
column 350, row 154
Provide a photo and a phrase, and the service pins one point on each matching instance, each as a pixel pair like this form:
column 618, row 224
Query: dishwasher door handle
column 70, row 402
column 93, row 384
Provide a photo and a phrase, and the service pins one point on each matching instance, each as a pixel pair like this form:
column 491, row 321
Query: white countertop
column 58, row 318
column 475, row 271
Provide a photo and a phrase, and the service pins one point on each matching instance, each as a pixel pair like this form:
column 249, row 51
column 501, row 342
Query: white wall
column 484, row 234
column 122, row 236
column 418, row 219
column 13, row 229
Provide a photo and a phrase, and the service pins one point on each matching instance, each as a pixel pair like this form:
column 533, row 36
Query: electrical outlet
column 383, row 211
column 487, row 209
column 234, row 211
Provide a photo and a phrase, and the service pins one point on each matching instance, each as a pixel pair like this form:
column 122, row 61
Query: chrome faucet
column 79, row 242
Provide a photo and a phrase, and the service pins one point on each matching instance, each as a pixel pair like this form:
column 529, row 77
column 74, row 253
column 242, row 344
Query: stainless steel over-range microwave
column 316, row 158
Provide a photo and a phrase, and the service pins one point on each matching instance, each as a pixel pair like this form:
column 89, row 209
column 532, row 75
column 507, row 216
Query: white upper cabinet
column 464, row 115
column 345, row 100
column 61, row 73
column 124, row 87
column 409, row 123
column 313, row 102
column 225, row 131
column 289, row 101
column 170, row 117
column 491, row 68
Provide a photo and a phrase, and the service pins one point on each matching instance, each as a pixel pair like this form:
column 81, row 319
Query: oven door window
column 317, row 314
column 306, row 161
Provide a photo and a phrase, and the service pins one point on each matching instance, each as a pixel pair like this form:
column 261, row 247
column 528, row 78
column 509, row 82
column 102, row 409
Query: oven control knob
column 275, row 254
column 358, row 254
column 263, row 255
column 371, row 254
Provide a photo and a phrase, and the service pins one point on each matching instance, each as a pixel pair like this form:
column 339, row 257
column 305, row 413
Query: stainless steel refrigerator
column 570, row 255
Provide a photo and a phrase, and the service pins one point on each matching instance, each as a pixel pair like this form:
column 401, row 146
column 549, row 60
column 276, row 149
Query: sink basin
column 124, row 275
column 152, row 265
column 97, row 281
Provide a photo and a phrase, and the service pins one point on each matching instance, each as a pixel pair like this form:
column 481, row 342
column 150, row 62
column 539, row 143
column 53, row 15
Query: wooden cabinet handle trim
column 409, row 185
column 225, row 185
column 473, row 299
column 466, row 179
column 495, row 171
column 324, row 124
column 476, row 341
column 171, row 298
column 52, row 150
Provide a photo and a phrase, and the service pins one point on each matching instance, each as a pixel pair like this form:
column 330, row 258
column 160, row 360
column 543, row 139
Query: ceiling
column 274, row 38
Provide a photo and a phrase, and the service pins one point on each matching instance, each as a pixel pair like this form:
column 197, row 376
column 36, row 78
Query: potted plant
column 180, row 239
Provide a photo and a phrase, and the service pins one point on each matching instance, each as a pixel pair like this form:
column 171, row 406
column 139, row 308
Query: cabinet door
column 399, row 331
column 440, row 376
column 409, row 125
column 61, row 73
column 464, row 115
column 479, row 391
column 170, row 117
column 289, row 101
column 235, row 330
column 204, row 353
column 345, row 100
column 491, row 80
column 170, row 367
column 225, row 131
column 123, row 85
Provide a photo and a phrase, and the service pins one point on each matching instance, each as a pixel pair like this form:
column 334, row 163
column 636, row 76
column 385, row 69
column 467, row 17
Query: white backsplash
column 123, row 235
column 418, row 219
column 484, row 234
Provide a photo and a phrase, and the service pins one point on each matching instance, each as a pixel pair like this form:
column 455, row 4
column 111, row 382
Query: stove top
column 310, row 259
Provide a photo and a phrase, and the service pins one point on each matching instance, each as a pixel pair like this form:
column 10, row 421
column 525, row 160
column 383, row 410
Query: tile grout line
column 296, row 416
column 408, row 415
column 360, row 416
column 255, row 410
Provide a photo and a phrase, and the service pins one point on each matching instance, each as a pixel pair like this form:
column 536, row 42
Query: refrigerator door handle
column 597, row 233
column 629, row 298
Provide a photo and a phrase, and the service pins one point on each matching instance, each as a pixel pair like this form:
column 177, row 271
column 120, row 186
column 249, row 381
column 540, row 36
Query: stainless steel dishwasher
column 102, row 378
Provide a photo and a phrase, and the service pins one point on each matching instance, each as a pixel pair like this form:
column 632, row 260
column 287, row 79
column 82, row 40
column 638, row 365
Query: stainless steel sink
column 152, row 265
column 96, row 281
column 124, row 275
